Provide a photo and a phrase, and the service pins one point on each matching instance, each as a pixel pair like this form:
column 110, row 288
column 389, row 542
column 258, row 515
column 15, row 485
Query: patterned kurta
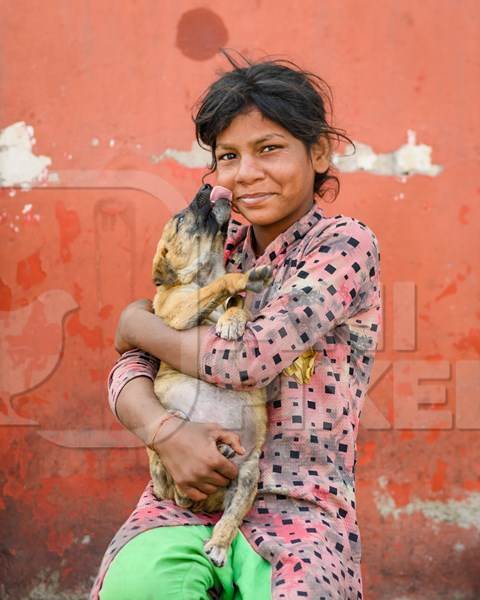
column 323, row 312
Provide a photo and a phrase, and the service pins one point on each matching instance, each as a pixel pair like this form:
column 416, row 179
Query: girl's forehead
column 251, row 128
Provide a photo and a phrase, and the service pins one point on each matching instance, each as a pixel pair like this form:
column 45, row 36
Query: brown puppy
column 191, row 287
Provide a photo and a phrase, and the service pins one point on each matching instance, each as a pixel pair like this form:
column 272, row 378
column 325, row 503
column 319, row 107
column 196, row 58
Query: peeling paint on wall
column 409, row 159
column 195, row 158
column 18, row 164
column 48, row 587
column 463, row 513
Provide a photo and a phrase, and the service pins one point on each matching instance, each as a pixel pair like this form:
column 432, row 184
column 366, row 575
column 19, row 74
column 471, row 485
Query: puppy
column 192, row 285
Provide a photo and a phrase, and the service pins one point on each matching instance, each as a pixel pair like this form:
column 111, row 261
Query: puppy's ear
column 162, row 271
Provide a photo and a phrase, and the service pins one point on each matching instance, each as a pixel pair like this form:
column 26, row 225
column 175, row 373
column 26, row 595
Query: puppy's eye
column 180, row 221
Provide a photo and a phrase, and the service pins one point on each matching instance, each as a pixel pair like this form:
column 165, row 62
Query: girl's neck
column 263, row 235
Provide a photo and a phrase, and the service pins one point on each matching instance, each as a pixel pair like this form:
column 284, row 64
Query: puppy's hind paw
column 259, row 278
column 217, row 554
column 226, row 450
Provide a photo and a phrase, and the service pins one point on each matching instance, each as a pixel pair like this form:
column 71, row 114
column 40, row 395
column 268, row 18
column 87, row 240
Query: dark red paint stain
column 463, row 214
column 471, row 341
column 59, row 541
column 5, row 296
column 105, row 311
column 77, row 293
column 200, row 34
column 30, row 272
column 438, row 479
column 68, row 228
column 31, row 349
column 400, row 492
column 452, row 287
column 92, row 336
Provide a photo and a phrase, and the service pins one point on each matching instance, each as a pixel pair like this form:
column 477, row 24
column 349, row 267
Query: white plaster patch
column 195, row 158
column 409, row 159
column 86, row 539
column 48, row 587
column 53, row 178
column 463, row 513
column 18, row 165
column 94, row 142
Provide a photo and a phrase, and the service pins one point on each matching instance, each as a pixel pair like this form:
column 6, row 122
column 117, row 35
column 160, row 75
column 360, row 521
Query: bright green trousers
column 168, row 563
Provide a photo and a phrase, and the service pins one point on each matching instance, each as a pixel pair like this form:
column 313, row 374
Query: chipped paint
column 410, row 159
column 95, row 142
column 53, row 178
column 195, row 158
column 49, row 587
column 463, row 513
column 18, row 165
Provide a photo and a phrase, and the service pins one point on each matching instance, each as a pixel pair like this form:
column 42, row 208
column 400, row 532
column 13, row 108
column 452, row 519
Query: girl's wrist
column 165, row 427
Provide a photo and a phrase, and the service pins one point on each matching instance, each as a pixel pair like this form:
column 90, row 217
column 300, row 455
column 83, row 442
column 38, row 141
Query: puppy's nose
column 203, row 194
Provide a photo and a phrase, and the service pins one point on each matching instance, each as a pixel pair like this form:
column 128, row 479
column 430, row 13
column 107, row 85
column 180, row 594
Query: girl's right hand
column 189, row 452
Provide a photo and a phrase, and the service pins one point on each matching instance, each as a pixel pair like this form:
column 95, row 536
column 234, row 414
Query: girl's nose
column 248, row 170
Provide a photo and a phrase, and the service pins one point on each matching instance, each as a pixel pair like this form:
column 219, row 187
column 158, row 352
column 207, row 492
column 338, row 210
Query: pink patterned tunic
column 325, row 297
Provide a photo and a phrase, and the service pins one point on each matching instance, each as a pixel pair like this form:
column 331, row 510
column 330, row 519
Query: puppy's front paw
column 259, row 278
column 217, row 554
column 231, row 325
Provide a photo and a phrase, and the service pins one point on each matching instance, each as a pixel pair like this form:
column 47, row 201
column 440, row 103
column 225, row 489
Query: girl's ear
column 320, row 154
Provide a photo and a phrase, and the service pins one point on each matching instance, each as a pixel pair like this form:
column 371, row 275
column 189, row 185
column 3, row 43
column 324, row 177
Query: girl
column 311, row 340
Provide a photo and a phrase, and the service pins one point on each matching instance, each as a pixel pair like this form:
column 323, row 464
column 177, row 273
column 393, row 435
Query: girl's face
column 269, row 171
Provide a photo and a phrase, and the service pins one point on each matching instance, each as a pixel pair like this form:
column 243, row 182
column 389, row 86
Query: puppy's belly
column 204, row 403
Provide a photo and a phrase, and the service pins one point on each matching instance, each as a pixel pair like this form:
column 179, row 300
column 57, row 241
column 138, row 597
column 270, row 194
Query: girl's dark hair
column 283, row 92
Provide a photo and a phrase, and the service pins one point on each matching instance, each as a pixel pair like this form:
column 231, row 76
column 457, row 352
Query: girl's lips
column 251, row 200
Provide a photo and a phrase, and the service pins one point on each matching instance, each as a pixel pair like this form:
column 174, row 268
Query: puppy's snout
column 203, row 195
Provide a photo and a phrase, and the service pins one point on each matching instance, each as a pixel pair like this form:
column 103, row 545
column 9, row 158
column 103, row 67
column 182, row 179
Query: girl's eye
column 231, row 155
column 224, row 156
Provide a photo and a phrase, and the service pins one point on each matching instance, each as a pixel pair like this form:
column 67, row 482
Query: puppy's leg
column 195, row 306
column 238, row 500
column 163, row 485
column 182, row 501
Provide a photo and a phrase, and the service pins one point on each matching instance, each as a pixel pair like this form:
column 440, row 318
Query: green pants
column 168, row 563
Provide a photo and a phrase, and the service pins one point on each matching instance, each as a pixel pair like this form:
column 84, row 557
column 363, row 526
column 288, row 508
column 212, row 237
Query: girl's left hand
column 125, row 323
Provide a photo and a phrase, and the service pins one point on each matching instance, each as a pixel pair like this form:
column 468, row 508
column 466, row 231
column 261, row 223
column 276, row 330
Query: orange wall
column 108, row 88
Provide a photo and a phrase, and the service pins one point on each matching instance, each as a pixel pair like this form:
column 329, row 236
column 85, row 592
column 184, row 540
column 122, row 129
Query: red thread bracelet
column 166, row 417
